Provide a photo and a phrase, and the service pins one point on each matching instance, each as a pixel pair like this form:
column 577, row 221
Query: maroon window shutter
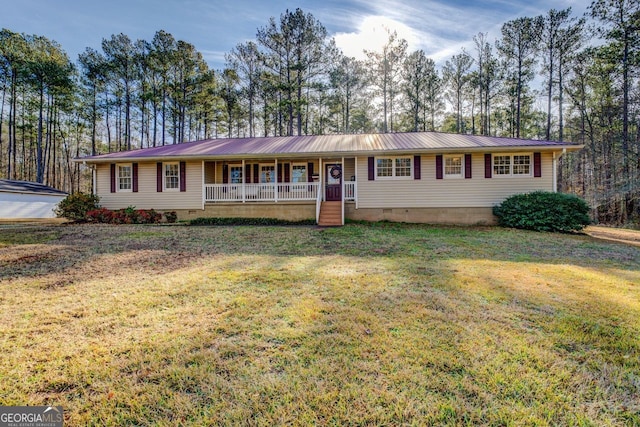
column 416, row 167
column 225, row 174
column 310, row 172
column 183, row 176
column 487, row 165
column 279, row 172
column 113, row 177
column 256, row 173
column 287, row 172
column 135, row 177
column 467, row 166
column 371, row 168
column 159, row 177
column 247, row 174
column 439, row 166
column 537, row 165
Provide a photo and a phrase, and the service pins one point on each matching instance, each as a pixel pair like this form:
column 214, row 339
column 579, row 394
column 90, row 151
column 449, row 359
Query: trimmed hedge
column 249, row 221
column 75, row 206
column 543, row 211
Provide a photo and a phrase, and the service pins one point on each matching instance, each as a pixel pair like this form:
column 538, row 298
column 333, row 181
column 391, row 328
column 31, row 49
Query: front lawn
column 381, row 324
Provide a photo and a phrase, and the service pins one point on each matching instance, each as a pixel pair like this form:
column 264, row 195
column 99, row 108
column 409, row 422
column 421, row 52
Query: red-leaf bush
column 124, row 216
column 102, row 215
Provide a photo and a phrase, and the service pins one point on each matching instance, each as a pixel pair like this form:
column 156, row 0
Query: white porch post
column 204, row 187
column 355, row 189
column 342, row 192
column 320, row 174
column 244, row 180
column 275, row 180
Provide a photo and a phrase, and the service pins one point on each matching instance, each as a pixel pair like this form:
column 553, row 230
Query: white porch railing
column 350, row 190
column 261, row 192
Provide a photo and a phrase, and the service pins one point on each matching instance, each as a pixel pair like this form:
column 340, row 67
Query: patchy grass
column 382, row 324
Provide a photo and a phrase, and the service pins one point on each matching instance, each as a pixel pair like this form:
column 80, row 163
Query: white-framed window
column 393, row 167
column 267, row 174
column 299, row 172
column 512, row 164
column 402, row 167
column 453, row 166
column 172, row 176
column 125, row 177
column 235, row 174
column 521, row 164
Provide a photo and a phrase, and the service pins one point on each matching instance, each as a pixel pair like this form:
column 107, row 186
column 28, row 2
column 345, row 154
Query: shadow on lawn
column 408, row 323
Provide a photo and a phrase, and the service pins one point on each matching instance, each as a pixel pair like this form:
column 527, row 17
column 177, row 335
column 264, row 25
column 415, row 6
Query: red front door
column 333, row 182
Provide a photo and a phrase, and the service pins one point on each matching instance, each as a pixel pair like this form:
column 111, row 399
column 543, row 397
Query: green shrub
column 248, row 221
column 543, row 211
column 75, row 206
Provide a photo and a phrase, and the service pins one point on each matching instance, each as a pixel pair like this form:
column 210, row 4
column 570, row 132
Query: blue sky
column 439, row 27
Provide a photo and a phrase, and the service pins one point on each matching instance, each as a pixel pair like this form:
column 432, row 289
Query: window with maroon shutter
column 287, row 173
column 487, row 165
column 512, row 165
column 112, row 177
column 247, row 173
column 416, row 167
column 537, row 165
column 256, row 173
column 279, row 172
column 467, row 166
column 439, row 173
column 371, row 168
column 135, row 178
column 183, row 176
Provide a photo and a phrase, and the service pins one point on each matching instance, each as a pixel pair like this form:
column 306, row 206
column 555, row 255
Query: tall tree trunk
column 549, row 96
column 560, row 103
column 4, row 92
column 39, row 158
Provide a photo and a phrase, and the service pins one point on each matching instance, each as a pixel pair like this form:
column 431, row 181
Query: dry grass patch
column 365, row 324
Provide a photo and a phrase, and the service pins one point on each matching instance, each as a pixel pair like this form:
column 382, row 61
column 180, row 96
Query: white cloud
column 372, row 33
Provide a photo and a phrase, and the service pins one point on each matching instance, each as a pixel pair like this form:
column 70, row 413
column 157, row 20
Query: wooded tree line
column 556, row 76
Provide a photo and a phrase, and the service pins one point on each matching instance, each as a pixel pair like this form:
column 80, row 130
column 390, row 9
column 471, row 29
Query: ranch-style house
column 421, row 177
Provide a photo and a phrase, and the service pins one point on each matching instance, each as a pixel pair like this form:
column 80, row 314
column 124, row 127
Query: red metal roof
column 327, row 145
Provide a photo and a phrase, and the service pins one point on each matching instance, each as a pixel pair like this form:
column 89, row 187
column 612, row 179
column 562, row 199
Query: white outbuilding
column 28, row 200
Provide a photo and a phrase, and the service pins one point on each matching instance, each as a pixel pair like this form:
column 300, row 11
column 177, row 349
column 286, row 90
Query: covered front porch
column 280, row 180
column 323, row 183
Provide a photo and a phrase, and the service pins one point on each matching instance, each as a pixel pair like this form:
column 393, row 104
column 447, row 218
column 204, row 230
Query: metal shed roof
column 339, row 145
column 13, row 186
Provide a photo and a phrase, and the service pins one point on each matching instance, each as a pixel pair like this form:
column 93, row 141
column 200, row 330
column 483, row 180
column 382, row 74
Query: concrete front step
column 330, row 214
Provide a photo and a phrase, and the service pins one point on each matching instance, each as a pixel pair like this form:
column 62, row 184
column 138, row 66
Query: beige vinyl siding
column 430, row 192
column 147, row 197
